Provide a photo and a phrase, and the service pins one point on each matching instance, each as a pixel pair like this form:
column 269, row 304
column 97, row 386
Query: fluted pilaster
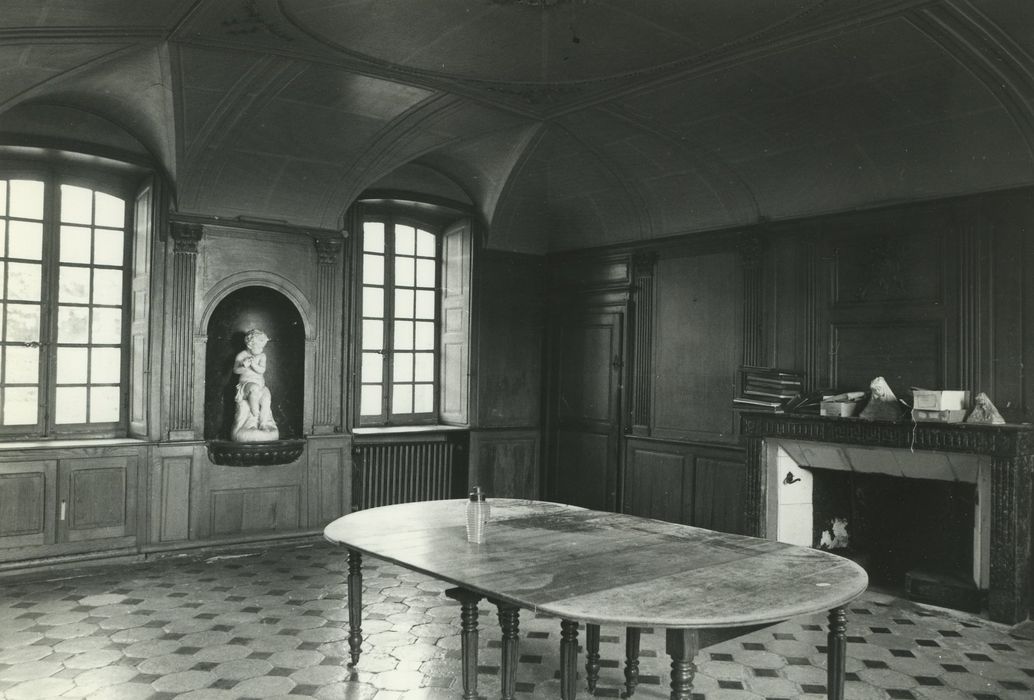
column 186, row 238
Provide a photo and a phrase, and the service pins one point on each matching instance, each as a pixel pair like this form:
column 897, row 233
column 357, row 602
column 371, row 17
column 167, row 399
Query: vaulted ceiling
column 565, row 123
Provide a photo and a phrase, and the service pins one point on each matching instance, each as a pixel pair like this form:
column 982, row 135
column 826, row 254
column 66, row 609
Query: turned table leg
column 592, row 655
column 355, row 604
column 836, row 654
column 568, row 658
column 508, row 623
column 631, row 660
column 468, row 601
column 681, row 646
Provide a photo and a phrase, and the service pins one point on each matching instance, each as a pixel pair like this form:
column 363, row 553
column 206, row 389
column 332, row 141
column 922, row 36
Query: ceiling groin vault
column 565, row 123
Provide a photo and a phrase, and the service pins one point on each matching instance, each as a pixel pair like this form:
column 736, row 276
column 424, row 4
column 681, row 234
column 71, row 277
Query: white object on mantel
column 985, row 412
column 939, row 400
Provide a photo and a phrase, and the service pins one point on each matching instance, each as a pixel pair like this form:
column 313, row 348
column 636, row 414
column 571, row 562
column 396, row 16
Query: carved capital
column 186, row 236
column 328, row 250
column 643, row 264
column 752, row 250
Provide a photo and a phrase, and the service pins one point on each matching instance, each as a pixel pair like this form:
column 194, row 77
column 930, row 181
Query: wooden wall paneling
column 28, row 498
column 658, row 481
column 329, row 479
column 99, row 494
column 697, row 346
column 719, row 492
column 328, row 361
column 505, row 463
column 752, row 250
column 171, row 493
column 585, row 468
column 254, row 510
column 510, row 336
column 641, row 315
column 180, row 335
column 1012, row 321
column 905, row 354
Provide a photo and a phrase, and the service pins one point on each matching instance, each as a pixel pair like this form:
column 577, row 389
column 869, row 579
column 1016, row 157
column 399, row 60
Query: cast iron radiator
column 426, row 469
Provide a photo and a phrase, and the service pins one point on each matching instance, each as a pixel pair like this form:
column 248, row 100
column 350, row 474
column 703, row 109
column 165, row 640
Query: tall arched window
column 64, row 252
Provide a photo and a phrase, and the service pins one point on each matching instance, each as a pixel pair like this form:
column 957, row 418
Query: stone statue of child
column 254, row 420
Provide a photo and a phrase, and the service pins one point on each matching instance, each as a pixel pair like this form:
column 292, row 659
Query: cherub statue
column 254, row 420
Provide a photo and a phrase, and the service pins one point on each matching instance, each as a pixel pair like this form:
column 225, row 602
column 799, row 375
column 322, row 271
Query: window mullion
column 49, row 304
column 389, row 317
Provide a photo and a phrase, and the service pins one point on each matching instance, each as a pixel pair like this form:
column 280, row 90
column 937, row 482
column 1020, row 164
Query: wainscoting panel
column 505, row 463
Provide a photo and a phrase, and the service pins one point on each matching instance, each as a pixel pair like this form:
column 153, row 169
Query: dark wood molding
column 1011, row 448
column 641, row 333
column 752, row 251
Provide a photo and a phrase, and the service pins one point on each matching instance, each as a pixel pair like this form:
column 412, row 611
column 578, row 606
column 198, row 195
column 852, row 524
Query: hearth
column 980, row 474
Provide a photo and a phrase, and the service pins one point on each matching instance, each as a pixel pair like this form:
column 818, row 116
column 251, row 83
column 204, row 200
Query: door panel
column 587, row 401
column 27, row 494
column 98, row 499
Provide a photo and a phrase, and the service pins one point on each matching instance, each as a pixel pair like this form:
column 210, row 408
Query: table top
column 605, row 568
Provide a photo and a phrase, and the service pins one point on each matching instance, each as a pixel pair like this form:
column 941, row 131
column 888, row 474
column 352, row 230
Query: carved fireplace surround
column 1010, row 449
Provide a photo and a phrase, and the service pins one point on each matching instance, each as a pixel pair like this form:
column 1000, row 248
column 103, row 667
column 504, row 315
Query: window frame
column 115, row 180
column 392, row 216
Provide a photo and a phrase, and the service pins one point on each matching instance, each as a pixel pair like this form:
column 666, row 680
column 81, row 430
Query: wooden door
column 586, row 407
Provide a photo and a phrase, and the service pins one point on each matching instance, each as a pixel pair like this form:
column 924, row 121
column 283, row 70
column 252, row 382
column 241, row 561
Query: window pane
column 110, row 211
column 23, row 281
column 401, row 398
column 25, row 241
column 71, row 405
column 402, row 367
column 21, row 405
column 3, row 236
column 373, row 367
column 373, row 302
column 75, row 244
column 108, row 247
column 425, row 273
column 21, row 365
column 74, row 285
column 107, row 326
column 373, row 269
column 76, row 205
column 403, row 303
column 425, row 304
column 107, row 286
column 73, row 324
column 425, row 244
column 404, row 272
column 22, row 323
column 71, row 365
column 27, row 201
column 424, row 339
column 373, row 335
column 370, row 400
column 3, row 197
column 373, row 236
column 423, row 398
column 405, row 240
column 105, row 366
column 403, row 335
column 424, row 367
column 104, row 404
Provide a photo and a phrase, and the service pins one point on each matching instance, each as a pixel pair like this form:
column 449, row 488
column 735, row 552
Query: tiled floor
column 274, row 624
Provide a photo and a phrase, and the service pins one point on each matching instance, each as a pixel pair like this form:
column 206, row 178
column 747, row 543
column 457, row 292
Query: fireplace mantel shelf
column 1007, row 441
column 1011, row 451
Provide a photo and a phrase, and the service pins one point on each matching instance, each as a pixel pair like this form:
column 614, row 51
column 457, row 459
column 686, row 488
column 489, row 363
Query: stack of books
column 767, row 389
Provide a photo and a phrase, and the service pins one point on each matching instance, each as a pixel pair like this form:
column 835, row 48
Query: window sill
column 409, row 430
column 69, row 443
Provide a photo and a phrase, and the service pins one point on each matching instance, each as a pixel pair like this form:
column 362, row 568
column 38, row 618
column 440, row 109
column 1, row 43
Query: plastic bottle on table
column 477, row 516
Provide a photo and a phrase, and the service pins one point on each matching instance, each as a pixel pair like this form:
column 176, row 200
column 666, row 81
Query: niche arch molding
column 210, row 302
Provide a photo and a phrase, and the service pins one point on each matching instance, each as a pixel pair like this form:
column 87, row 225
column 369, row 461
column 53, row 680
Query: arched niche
column 238, row 312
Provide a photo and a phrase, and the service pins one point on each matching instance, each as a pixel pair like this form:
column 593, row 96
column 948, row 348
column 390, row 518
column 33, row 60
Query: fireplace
column 988, row 467
column 900, row 514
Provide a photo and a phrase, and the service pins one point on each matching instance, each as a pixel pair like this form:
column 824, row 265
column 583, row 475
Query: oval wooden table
column 600, row 568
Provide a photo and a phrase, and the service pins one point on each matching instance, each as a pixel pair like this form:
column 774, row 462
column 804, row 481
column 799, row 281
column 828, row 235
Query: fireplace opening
column 893, row 526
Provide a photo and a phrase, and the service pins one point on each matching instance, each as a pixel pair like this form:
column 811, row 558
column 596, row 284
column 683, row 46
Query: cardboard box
column 840, row 409
column 950, row 416
column 939, row 400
